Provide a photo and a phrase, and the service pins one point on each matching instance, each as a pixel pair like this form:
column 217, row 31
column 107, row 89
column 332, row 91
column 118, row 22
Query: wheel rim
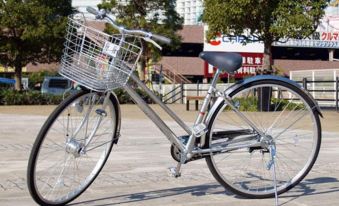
column 293, row 127
column 61, row 171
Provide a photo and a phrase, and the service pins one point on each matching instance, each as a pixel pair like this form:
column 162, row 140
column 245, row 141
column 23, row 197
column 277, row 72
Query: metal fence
column 322, row 84
column 325, row 92
column 326, row 96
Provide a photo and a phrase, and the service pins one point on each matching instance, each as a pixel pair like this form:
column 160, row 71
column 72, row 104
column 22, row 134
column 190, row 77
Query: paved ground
column 141, row 177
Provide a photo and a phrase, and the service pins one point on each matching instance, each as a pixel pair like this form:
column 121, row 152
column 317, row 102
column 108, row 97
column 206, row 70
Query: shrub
column 250, row 104
column 124, row 97
column 12, row 97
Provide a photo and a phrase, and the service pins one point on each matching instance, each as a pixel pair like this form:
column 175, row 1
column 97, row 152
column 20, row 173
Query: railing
column 181, row 91
column 172, row 95
column 334, row 91
column 171, row 76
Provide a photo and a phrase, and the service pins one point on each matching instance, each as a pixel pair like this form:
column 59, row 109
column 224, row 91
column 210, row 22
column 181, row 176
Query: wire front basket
column 97, row 60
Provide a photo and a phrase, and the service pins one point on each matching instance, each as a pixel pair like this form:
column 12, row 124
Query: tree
column 31, row 31
column 156, row 16
column 266, row 20
column 334, row 2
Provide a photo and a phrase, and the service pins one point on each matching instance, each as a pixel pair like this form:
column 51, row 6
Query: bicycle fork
column 73, row 145
column 101, row 114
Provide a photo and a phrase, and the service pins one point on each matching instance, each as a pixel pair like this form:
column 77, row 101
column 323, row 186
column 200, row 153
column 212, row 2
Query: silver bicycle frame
column 189, row 147
column 199, row 128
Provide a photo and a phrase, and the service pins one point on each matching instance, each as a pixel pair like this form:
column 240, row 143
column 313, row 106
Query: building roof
column 192, row 34
column 189, row 33
column 42, row 67
column 99, row 25
column 184, row 65
column 290, row 65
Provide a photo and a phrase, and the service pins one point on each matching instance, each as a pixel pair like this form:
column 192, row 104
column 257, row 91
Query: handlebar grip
column 162, row 39
column 92, row 10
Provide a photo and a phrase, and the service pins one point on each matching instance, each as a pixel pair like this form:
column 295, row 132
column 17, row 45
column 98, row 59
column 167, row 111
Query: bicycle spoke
column 289, row 123
column 62, row 171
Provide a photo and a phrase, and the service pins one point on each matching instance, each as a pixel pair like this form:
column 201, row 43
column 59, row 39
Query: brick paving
column 136, row 172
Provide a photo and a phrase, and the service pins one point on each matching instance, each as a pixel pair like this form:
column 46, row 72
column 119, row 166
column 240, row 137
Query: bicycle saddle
column 226, row 61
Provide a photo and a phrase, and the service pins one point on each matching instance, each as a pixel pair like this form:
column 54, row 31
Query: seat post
column 215, row 78
column 208, row 97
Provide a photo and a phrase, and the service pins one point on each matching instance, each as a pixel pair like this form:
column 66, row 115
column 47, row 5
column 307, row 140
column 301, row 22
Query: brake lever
column 153, row 42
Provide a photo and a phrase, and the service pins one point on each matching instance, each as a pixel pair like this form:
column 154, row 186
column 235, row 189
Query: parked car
column 55, row 85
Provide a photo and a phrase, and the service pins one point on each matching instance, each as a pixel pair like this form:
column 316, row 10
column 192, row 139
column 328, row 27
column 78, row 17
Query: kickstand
column 270, row 164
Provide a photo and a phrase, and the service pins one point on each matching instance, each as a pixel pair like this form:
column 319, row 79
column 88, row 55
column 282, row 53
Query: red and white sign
column 252, row 54
column 232, row 44
column 251, row 62
column 329, row 36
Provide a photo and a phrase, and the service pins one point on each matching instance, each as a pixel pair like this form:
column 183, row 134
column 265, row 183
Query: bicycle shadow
column 305, row 188
column 196, row 190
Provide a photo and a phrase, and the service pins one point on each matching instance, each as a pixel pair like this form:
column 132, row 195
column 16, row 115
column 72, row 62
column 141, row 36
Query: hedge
column 12, row 97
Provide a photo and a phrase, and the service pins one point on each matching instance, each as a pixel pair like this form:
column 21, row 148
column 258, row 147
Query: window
column 58, row 83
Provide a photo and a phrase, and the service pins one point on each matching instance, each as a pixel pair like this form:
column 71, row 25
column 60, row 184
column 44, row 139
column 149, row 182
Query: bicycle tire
column 38, row 167
column 223, row 172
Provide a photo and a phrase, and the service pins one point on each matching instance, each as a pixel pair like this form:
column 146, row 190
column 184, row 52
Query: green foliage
column 250, row 104
column 13, row 97
column 124, row 98
column 31, row 31
column 281, row 104
column 268, row 21
column 156, row 16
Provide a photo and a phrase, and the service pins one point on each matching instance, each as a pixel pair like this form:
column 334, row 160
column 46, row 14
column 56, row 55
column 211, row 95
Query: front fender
column 116, row 103
column 248, row 81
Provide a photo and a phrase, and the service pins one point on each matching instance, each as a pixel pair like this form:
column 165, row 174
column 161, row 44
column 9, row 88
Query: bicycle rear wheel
column 282, row 112
column 61, row 167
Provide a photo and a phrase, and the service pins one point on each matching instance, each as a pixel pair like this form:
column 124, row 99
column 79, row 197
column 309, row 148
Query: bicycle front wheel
column 282, row 112
column 72, row 148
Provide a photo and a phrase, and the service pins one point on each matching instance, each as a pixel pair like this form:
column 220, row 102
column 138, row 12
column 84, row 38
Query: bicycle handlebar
column 101, row 14
column 92, row 10
column 162, row 39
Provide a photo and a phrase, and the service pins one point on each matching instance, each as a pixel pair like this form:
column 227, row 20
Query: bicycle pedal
column 174, row 173
column 101, row 112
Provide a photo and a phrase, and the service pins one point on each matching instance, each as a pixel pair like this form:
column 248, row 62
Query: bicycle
column 259, row 125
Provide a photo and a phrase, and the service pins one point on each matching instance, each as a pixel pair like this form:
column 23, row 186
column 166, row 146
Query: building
column 320, row 51
column 190, row 10
column 185, row 60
